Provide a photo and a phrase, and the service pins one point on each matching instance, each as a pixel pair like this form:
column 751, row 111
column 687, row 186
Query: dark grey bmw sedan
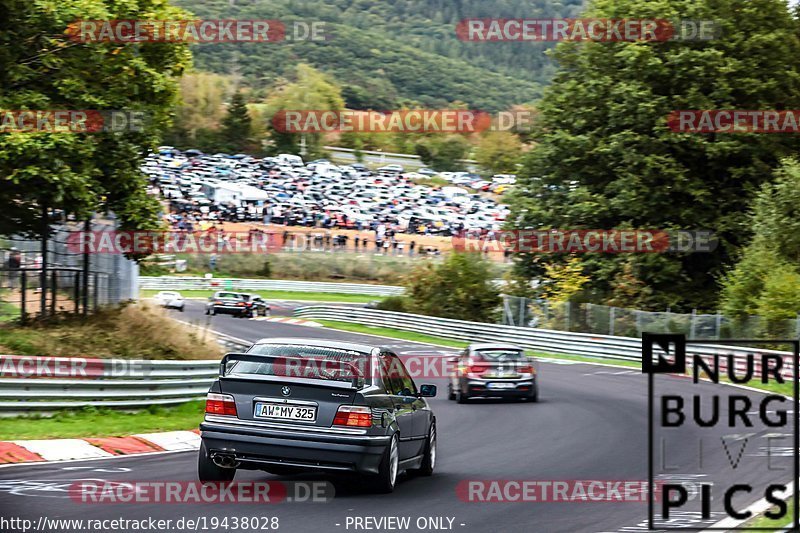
column 289, row 405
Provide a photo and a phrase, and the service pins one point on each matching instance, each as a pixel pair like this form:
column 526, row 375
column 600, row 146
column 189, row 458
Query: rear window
column 500, row 355
column 312, row 362
column 233, row 295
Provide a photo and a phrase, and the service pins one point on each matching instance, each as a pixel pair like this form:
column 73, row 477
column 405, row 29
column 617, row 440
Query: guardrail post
column 692, row 324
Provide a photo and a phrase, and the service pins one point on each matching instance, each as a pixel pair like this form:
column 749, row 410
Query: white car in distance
column 170, row 300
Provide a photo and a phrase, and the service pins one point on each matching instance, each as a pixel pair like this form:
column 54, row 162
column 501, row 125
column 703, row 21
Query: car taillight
column 220, row 404
column 525, row 369
column 353, row 416
column 241, row 304
column 217, row 303
column 476, row 369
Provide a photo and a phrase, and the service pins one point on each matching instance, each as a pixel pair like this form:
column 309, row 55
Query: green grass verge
column 391, row 332
column 282, row 295
column 90, row 422
column 779, row 524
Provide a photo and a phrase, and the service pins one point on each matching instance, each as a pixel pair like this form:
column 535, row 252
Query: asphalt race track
column 590, row 423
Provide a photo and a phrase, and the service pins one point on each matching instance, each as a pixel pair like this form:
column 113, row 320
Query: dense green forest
column 390, row 53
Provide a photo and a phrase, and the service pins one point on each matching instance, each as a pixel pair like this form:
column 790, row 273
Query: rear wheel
column 450, row 394
column 208, row 472
column 461, row 397
column 387, row 473
column 429, row 457
column 534, row 397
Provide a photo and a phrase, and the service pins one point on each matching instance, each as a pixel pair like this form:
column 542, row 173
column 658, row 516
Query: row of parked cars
column 236, row 187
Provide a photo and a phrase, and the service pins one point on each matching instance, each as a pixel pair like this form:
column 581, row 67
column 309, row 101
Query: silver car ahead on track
column 493, row 370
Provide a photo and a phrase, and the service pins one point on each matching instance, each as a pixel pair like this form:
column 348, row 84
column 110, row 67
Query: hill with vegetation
column 392, row 53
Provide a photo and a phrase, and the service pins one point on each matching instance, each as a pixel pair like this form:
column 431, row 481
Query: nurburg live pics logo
column 727, row 437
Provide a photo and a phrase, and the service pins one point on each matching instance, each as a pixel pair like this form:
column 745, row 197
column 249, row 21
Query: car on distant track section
column 227, row 303
column 256, row 305
column 170, row 300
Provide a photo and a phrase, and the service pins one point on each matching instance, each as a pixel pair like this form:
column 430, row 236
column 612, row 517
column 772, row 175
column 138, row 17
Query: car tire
column 461, row 397
column 384, row 482
column 535, row 396
column 429, row 456
column 208, row 472
column 208, row 312
column 180, row 309
column 213, row 312
column 451, row 395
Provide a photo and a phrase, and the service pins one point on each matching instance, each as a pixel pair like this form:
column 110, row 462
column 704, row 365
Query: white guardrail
column 111, row 383
column 174, row 283
column 541, row 340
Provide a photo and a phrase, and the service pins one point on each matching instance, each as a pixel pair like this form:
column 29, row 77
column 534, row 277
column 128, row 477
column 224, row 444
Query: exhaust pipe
column 224, row 461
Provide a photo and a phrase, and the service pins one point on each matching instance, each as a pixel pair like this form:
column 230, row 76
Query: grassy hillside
column 391, row 53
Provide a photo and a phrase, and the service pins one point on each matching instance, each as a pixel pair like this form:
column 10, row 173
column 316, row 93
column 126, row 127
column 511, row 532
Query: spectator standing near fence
column 13, row 264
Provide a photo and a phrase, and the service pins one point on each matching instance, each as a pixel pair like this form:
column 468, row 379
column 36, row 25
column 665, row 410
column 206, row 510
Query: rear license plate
column 501, row 385
column 285, row 411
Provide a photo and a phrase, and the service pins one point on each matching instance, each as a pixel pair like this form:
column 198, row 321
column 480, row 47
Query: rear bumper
column 258, row 448
column 229, row 310
column 481, row 388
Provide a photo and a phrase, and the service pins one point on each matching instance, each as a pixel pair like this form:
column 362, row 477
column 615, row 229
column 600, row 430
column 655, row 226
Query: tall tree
column 200, row 111
column 499, row 152
column 40, row 69
column 311, row 90
column 237, row 127
column 773, row 251
column 605, row 157
column 443, row 152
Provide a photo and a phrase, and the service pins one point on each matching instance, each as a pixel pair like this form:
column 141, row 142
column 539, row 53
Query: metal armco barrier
column 172, row 283
column 541, row 340
column 111, row 383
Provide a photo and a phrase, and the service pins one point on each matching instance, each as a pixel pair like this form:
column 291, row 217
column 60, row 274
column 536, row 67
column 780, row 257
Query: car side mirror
column 427, row 391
